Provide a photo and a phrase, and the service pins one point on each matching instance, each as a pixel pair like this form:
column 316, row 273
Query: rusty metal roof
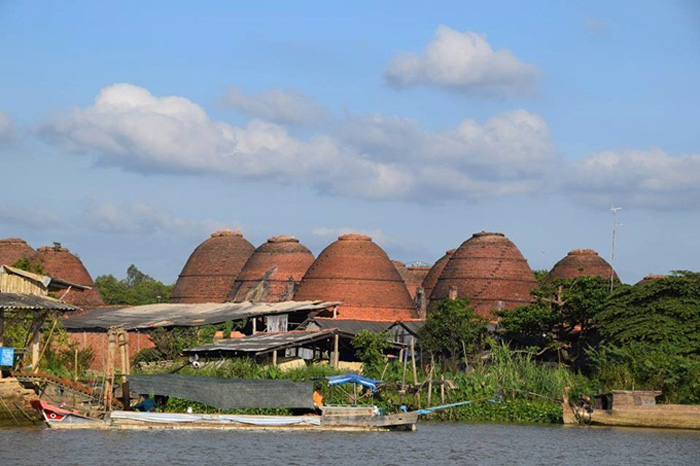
column 32, row 302
column 262, row 343
column 185, row 315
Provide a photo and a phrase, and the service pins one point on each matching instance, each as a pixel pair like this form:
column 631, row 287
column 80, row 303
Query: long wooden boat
column 631, row 408
column 346, row 418
column 228, row 394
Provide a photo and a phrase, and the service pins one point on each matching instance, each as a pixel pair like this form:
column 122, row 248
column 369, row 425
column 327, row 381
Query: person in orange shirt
column 318, row 397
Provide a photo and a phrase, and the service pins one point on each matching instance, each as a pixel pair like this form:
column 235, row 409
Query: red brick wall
column 97, row 341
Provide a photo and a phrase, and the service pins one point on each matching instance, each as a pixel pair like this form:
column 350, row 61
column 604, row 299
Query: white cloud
column 7, row 127
column 277, row 105
column 14, row 216
column 465, row 62
column 141, row 218
column 371, row 157
column 633, row 178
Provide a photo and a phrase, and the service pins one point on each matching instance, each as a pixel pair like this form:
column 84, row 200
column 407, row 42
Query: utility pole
column 614, row 210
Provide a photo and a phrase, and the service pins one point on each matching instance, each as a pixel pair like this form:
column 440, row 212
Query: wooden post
column 442, row 389
column 254, row 325
column 430, row 380
column 123, row 340
column 274, row 358
column 413, row 361
column 109, row 370
column 75, row 364
column 36, row 339
column 404, row 357
column 336, row 354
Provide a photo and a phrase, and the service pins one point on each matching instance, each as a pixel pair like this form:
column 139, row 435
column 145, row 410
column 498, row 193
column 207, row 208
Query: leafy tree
column 24, row 264
column 451, row 329
column 540, row 275
column 665, row 310
column 370, row 347
column 652, row 333
column 136, row 289
column 561, row 317
column 169, row 342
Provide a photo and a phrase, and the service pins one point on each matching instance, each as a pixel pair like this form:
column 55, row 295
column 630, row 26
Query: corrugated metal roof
column 32, row 302
column 350, row 327
column 264, row 342
column 185, row 315
column 413, row 326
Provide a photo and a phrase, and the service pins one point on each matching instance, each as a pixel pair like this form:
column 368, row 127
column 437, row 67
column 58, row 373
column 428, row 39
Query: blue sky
column 131, row 130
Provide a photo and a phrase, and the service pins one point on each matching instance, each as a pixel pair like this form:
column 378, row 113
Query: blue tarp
column 354, row 378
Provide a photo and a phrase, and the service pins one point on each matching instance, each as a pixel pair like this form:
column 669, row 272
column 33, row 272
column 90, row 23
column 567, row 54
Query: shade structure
column 581, row 263
column 212, row 268
column 58, row 262
column 357, row 272
column 490, row 271
column 14, row 249
column 434, row 273
column 273, row 272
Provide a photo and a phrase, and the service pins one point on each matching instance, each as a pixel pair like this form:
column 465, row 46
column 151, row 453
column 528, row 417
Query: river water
column 432, row 444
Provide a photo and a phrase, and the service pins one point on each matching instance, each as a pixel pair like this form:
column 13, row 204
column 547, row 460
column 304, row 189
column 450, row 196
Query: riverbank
column 510, row 388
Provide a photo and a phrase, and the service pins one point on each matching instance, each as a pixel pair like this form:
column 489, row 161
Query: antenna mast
column 614, row 210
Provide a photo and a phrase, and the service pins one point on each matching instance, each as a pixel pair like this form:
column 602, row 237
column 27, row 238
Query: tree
column 370, row 347
column 452, row 329
column 24, row 264
column 665, row 310
column 136, row 289
column 652, row 338
column 561, row 319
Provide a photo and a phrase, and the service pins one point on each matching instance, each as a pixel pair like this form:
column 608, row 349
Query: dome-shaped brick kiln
column 212, row 269
column 357, row 272
column 14, row 249
column 434, row 273
column 490, row 271
column 273, row 271
column 59, row 262
column 581, row 263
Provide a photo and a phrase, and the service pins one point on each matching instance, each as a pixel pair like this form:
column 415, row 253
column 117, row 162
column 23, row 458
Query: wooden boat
column 231, row 394
column 351, row 419
column 631, row 408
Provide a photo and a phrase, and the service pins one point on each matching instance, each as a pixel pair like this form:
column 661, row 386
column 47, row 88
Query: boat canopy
column 227, row 393
column 354, row 378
